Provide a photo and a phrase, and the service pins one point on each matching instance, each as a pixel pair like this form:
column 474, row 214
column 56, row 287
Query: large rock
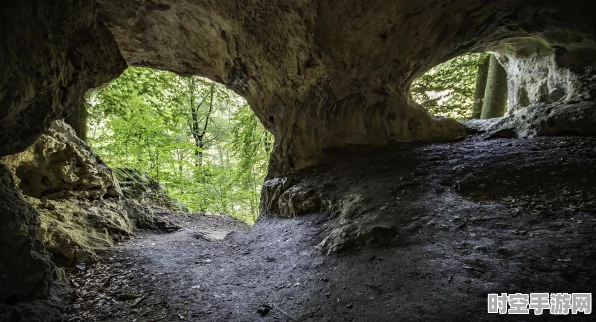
column 77, row 196
column 555, row 67
column 532, row 121
column 52, row 53
column 59, row 166
column 146, row 190
column 25, row 268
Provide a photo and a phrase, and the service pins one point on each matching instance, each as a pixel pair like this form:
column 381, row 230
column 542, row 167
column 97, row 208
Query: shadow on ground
column 467, row 219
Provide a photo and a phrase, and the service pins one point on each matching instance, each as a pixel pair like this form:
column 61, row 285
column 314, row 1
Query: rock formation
column 76, row 195
column 25, row 268
column 556, row 67
column 318, row 73
column 139, row 186
column 59, row 165
column 52, row 53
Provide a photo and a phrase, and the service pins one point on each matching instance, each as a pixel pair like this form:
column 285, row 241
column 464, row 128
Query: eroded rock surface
column 553, row 67
column 52, row 53
column 146, row 190
column 321, row 74
column 25, row 267
column 532, row 121
column 76, row 194
column 312, row 83
column 59, row 165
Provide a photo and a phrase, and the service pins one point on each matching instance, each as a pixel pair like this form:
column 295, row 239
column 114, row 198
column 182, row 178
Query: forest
column 204, row 144
column 201, row 141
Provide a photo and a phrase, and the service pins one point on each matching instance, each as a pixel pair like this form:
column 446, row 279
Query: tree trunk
column 200, row 137
column 481, row 78
column 78, row 120
column 495, row 97
column 197, row 134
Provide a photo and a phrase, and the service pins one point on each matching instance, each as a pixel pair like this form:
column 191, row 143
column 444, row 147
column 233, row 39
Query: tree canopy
column 196, row 137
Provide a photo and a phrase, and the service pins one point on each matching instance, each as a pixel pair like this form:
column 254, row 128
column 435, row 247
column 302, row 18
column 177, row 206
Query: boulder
column 532, row 121
column 141, row 187
column 60, row 166
column 25, row 267
column 77, row 197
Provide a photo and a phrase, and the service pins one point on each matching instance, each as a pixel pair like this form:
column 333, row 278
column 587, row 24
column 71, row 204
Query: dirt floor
column 467, row 219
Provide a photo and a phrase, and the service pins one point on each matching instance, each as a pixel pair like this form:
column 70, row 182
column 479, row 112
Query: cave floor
column 470, row 218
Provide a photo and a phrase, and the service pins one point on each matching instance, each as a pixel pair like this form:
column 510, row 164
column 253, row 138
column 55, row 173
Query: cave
column 362, row 179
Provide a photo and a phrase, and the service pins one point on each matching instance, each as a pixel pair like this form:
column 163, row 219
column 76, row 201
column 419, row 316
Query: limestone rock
column 25, row 268
column 316, row 85
column 59, row 165
column 313, row 84
column 146, row 190
column 287, row 197
column 318, row 73
column 553, row 67
column 52, row 53
column 281, row 198
column 531, row 121
column 353, row 225
column 352, row 235
column 74, row 229
column 76, row 194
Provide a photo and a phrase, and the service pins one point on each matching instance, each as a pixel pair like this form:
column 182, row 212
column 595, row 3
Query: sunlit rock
column 76, row 194
column 532, row 121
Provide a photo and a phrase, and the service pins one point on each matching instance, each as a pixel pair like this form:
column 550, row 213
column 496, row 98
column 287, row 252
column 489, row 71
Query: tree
column 197, row 129
column 481, row 78
column 495, row 96
column 199, row 139
column 77, row 119
column 448, row 88
column 468, row 86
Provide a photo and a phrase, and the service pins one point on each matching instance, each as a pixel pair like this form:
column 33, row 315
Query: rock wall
column 52, row 53
column 78, row 200
column 551, row 67
column 319, row 73
column 539, row 120
column 323, row 73
column 25, row 268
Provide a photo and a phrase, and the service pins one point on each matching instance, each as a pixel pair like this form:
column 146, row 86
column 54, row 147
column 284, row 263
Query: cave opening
column 372, row 209
column 196, row 138
column 471, row 86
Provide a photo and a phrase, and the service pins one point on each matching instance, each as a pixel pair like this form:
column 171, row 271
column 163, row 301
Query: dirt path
column 476, row 217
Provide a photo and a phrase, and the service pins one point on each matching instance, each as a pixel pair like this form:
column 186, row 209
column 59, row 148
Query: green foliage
column 201, row 141
column 448, row 89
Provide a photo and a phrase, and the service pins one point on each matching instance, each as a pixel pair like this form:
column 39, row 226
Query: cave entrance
column 470, row 86
column 196, row 138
